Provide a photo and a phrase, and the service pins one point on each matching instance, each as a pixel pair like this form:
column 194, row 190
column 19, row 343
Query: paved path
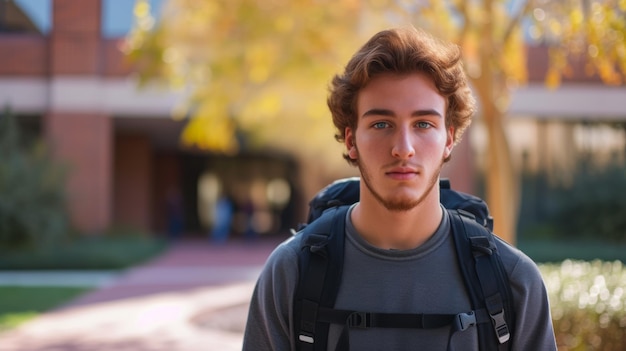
column 62, row 278
column 192, row 298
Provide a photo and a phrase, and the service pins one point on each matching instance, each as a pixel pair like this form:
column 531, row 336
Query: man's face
column 401, row 140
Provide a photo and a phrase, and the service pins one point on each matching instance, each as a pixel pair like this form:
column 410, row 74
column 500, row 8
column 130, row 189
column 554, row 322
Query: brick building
column 73, row 87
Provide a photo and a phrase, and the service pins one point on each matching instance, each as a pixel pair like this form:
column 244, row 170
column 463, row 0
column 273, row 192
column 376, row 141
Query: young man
column 400, row 106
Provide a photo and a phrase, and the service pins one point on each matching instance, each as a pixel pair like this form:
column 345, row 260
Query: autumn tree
column 493, row 35
column 256, row 71
column 260, row 69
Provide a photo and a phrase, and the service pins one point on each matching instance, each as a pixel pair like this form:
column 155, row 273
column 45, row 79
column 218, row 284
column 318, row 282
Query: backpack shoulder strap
column 323, row 247
column 485, row 278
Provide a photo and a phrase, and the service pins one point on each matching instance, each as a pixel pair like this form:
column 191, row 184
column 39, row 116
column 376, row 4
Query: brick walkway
column 192, row 298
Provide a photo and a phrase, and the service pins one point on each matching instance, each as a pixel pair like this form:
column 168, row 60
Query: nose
column 403, row 146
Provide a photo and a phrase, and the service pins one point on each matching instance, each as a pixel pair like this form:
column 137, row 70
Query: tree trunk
column 501, row 179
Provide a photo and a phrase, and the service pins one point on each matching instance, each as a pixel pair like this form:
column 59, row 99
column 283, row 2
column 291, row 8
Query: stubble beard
column 401, row 204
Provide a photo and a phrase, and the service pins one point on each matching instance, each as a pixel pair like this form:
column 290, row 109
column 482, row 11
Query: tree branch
column 460, row 7
column 515, row 20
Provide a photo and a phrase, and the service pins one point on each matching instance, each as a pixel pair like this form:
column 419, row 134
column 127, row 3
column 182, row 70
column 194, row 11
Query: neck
column 401, row 230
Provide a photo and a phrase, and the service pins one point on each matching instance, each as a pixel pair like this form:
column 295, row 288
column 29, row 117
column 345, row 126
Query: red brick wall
column 83, row 142
column 23, row 55
column 76, row 16
column 75, row 55
column 81, row 139
column 75, row 37
column 27, row 55
column 538, row 63
column 115, row 64
column 133, row 181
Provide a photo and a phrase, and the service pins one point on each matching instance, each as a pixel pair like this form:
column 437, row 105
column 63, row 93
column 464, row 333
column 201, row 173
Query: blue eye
column 380, row 125
column 423, row 124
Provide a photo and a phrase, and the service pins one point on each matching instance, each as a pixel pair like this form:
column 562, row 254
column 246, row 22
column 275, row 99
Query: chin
column 401, row 203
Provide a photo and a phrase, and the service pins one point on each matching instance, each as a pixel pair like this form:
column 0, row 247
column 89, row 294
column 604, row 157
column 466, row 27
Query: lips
column 402, row 173
column 403, row 170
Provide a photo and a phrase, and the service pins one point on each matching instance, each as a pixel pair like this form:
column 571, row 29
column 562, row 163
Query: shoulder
column 288, row 252
column 270, row 320
column 515, row 261
column 533, row 324
column 524, row 276
column 284, row 256
column 278, row 279
column 283, row 264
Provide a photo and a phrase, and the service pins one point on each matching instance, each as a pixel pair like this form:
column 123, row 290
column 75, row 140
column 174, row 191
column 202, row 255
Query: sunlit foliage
column 588, row 302
column 595, row 30
column 494, row 35
column 256, row 71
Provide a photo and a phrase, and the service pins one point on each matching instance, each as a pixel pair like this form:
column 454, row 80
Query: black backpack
column 321, row 264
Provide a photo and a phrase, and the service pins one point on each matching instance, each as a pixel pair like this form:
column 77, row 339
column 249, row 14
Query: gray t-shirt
column 426, row 279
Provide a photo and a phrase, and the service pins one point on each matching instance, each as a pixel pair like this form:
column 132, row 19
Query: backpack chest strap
column 366, row 320
column 362, row 320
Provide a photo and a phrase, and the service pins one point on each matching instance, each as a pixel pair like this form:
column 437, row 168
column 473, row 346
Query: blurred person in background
column 223, row 218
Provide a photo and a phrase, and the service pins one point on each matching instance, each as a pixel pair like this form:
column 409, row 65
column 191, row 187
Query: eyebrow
column 390, row 113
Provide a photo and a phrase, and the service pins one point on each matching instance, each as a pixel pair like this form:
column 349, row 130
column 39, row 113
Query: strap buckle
column 499, row 325
column 358, row 320
column 464, row 321
column 306, row 338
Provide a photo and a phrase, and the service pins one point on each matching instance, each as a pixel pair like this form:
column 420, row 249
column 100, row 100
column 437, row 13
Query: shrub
column 117, row 249
column 595, row 204
column 591, row 206
column 588, row 301
column 32, row 202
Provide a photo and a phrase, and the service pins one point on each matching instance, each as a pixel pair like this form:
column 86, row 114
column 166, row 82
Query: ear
column 449, row 142
column 350, row 144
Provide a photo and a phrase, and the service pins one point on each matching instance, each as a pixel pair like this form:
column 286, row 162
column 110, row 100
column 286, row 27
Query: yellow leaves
column 606, row 70
column 259, row 73
column 513, row 58
column 592, row 32
column 605, row 46
column 268, row 105
column 576, row 18
column 143, row 18
column 263, row 108
column 555, row 27
column 284, row 23
column 211, row 129
column 142, row 8
column 438, row 17
column 259, row 59
column 553, row 78
column 472, row 54
column 593, row 51
column 251, row 64
column 558, row 65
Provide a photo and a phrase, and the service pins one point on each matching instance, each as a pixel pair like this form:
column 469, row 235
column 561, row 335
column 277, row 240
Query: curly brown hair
column 403, row 51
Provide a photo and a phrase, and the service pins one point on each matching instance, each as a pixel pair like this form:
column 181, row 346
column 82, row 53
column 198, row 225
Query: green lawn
column 102, row 253
column 19, row 304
